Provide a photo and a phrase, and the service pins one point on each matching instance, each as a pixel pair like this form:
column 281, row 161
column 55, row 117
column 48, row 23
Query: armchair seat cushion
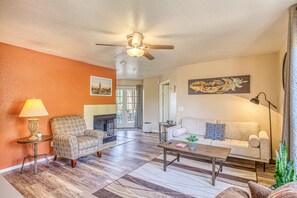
column 87, row 142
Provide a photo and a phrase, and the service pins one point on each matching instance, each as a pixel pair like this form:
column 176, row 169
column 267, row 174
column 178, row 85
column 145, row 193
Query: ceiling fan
column 136, row 48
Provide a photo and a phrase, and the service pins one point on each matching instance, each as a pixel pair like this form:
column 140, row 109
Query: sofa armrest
column 97, row 134
column 264, row 145
column 66, row 146
column 170, row 131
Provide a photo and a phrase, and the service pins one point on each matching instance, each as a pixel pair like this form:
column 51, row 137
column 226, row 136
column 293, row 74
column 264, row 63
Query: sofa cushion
column 201, row 139
column 240, row 130
column 178, row 132
column 196, row 126
column 238, row 147
column 86, row 142
column 201, row 126
column 190, row 124
column 215, row 131
column 254, row 141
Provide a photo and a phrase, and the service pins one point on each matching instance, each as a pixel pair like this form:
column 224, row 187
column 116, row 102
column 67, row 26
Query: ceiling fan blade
column 148, row 56
column 120, row 54
column 110, row 45
column 159, row 46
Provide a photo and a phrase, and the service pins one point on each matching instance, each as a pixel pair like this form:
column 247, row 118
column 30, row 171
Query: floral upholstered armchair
column 72, row 140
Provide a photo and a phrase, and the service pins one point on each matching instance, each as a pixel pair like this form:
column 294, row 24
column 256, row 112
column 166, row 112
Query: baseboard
column 26, row 164
column 155, row 131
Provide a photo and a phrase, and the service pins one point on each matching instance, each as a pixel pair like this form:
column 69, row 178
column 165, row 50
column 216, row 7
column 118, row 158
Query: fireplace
column 106, row 123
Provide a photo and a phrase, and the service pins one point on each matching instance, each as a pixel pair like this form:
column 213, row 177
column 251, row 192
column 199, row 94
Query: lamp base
column 33, row 126
column 33, row 137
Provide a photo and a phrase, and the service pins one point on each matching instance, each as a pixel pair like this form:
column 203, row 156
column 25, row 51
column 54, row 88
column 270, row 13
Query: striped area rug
column 187, row 178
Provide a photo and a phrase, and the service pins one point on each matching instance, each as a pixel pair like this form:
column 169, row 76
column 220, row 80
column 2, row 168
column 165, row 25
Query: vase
column 192, row 145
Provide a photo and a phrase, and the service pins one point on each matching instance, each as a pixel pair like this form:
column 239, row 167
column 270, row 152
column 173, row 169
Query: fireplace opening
column 106, row 123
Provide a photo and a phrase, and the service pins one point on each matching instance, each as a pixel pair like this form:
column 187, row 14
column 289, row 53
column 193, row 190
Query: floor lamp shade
column 33, row 109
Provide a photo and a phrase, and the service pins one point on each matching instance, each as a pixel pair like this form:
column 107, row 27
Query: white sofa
column 237, row 135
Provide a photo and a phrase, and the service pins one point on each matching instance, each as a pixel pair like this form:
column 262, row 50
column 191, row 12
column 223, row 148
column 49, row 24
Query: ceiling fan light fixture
column 136, row 39
column 135, row 52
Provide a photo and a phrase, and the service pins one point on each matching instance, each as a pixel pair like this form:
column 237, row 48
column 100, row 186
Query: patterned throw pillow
column 215, row 131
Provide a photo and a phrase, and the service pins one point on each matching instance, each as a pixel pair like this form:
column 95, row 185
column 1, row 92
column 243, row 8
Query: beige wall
column 264, row 71
column 151, row 101
column 128, row 82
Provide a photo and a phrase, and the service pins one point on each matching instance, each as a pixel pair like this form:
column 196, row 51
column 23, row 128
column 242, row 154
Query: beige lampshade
column 33, row 108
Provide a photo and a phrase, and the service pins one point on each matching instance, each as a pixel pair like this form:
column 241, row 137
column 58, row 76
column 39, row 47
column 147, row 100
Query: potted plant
column 192, row 139
column 284, row 169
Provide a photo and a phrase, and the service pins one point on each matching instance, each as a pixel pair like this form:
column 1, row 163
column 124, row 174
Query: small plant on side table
column 284, row 170
column 192, row 139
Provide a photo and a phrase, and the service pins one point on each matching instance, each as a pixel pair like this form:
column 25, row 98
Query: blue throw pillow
column 215, row 131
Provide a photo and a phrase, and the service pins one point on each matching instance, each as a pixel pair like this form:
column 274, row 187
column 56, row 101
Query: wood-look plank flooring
column 93, row 173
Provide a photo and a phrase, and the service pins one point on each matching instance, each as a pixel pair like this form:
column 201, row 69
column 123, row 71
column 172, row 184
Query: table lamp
column 33, row 109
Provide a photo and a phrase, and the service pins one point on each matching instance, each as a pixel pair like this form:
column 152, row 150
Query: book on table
column 181, row 145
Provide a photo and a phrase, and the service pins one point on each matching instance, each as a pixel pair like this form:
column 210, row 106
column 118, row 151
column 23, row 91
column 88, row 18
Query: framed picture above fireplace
column 100, row 86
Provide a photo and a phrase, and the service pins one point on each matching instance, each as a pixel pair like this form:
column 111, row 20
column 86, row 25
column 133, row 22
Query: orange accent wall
column 62, row 84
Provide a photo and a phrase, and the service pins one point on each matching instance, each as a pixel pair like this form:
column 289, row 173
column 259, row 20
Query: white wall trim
column 161, row 98
column 26, row 164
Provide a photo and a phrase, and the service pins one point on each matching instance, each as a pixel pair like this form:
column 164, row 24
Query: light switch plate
column 180, row 108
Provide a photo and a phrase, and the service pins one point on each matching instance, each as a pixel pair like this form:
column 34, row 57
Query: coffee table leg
column 165, row 159
column 177, row 157
column 213, row 178
column 160, row 132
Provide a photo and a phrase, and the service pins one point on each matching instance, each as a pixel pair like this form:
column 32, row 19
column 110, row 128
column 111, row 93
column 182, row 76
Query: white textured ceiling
column 201, row 30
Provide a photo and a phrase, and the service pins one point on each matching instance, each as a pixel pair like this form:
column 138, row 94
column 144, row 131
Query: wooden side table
column 25, row 140
column 163, row 130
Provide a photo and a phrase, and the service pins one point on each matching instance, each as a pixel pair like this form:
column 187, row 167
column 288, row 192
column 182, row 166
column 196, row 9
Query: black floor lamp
column 256, row 101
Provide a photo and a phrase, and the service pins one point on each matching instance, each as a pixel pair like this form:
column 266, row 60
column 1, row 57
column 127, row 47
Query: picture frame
column 219, row 85
column 100, row 86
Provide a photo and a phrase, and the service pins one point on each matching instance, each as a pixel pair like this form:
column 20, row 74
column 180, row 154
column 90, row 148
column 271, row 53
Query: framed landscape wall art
column 222, row 85
column 100, row 86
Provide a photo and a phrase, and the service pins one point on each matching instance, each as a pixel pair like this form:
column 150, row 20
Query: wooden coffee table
column 216, row 154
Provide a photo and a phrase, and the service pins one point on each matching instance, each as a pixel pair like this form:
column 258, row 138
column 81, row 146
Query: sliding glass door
column 126, row 107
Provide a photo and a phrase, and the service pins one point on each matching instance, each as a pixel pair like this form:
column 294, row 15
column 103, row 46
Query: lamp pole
column 256, row 101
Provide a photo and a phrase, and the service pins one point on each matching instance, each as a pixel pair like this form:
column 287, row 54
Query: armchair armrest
column 97, row 134
column 170, row 130
column 66, row 146
column 264, row 145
